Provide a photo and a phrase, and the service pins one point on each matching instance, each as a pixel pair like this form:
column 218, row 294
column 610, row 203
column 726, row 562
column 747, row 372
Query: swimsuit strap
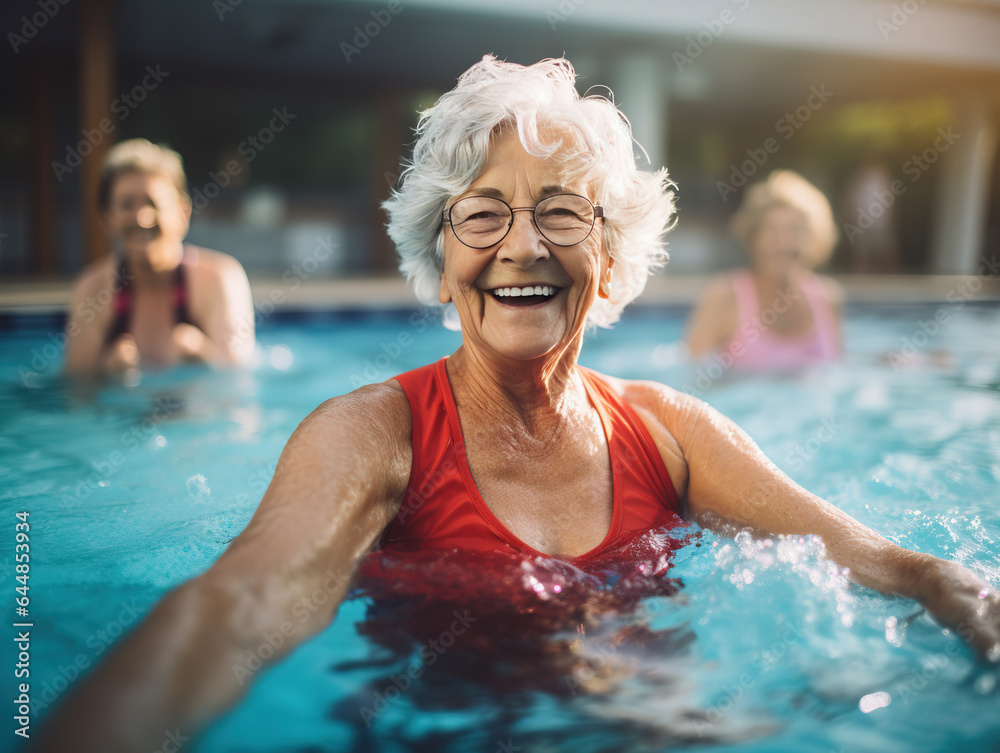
column 824, row 319
column 443, row 508
column 121, row 305
column 180, row 294
column 122, row 301
column 745, row 290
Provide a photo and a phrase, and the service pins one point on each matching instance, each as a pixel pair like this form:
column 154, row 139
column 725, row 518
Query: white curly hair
column 541, row 102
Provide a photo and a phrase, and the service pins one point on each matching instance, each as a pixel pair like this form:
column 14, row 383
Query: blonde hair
column 785, row 188
column 140, row 156
column 587, row 134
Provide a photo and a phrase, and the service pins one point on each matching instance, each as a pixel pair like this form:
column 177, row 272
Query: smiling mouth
column 144, row 233
column 525, row 295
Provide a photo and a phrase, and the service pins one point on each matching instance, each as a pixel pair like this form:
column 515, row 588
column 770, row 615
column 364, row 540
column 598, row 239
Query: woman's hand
column 190, row 343
column 123, row 355
column 960, row 600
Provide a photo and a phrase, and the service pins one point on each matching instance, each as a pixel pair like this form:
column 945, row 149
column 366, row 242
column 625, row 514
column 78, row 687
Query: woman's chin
column 531, row 346
column 523, row 333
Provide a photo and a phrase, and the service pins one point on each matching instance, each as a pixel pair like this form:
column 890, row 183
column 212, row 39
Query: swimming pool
column 750, row 646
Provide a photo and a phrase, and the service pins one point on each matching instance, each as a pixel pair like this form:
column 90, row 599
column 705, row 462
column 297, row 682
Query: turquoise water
column 763, row 647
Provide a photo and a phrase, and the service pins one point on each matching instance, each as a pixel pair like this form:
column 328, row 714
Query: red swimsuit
column 443, row 509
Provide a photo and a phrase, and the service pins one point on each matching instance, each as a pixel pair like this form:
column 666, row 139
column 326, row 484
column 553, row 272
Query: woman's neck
column 157, row 265
column 540, row 394
column 770, row 279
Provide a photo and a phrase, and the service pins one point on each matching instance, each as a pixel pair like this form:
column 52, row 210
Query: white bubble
column 985, row 684
column 666, row 355
column 873, row 701
column 281, row 357
column 161, row 441
column 891, row 632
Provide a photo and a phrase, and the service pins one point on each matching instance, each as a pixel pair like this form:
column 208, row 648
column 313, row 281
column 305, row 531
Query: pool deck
column 47, row 297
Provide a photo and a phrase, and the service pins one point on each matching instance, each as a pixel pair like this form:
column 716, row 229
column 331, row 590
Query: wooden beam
column 95, row 86
column 43, row 198
column 388, row 149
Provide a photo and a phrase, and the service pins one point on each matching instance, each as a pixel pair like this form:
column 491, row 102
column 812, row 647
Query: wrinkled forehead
column 551, row 159
column 783, row 214
column 137, row 182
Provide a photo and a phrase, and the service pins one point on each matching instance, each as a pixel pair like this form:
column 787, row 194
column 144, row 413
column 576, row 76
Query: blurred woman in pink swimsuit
column 778, row 315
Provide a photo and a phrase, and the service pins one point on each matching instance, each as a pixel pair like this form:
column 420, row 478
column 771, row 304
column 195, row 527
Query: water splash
column 747, row 559
column 197, row 487
column 605, row 639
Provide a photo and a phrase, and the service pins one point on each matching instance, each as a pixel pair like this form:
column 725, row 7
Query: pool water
column 717, row 644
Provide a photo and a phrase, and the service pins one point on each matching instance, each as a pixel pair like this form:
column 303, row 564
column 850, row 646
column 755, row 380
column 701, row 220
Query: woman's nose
column 146, row 217
column 523, row 243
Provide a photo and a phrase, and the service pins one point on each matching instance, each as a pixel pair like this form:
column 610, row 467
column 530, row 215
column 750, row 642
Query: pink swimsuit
column 755, row 348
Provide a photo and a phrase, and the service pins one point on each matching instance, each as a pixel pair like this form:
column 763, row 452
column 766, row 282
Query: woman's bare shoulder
column 714, row 317
column 96, row 276
column 381, row 407
column 218, row 266
column 832, row 290
column 668, row 414
column 665, row 402
column 211, row 258
column 719, row 290
column 717, row 298
column 363, row 437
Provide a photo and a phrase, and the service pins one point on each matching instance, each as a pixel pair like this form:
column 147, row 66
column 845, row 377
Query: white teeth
column 528, row 290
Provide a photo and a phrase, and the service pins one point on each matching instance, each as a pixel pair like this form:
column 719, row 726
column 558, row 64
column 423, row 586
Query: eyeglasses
column 482, row 221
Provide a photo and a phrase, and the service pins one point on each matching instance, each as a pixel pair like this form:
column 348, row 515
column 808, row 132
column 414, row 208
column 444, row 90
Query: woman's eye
column 560, row 213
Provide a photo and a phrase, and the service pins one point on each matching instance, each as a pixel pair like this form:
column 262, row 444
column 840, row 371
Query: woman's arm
column 223, row 305
column 835, row 296
column 336, row 487
column 88, row 319
column 725, row 476
column 713, row 320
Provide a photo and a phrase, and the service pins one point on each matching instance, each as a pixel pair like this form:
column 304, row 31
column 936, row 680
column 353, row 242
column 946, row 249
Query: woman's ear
column 186, row 210
column 103, row 217
column 444, row 296
column 604, row 288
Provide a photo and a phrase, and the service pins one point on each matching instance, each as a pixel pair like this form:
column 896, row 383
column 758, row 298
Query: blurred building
column 292, row 115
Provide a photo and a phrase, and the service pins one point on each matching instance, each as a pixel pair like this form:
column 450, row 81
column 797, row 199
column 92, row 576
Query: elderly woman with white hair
column 524, row 209
column 776, row 315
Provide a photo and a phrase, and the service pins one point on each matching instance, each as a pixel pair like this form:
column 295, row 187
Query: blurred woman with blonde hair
column 777, row 315
column 159, row 301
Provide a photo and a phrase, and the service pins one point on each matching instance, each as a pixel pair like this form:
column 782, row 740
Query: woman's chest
column 153, row 318
column 558, row 500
